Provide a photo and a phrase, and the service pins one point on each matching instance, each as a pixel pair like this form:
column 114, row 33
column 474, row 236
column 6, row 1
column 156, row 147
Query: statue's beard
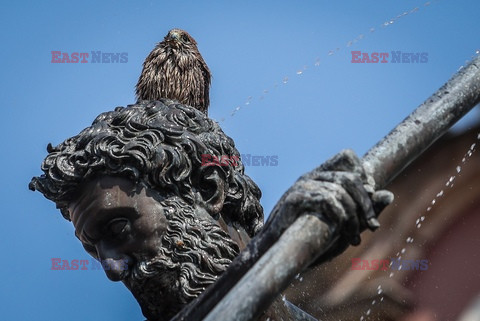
column 195, row 251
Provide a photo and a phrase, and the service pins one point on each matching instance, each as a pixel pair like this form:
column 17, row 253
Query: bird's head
column 178, row 38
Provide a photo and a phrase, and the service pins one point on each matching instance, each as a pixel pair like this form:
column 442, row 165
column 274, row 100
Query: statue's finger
column 355, row 188
column 381, row 199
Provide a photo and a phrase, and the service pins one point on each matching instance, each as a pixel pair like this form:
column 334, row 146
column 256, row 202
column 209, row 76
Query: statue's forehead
column 107, row 192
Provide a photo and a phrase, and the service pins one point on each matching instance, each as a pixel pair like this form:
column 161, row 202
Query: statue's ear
column 212, row 189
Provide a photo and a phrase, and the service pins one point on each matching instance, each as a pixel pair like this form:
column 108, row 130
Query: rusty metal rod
column 383, row 162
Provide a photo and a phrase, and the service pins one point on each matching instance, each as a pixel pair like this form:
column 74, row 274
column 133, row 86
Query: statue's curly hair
column 158, row 143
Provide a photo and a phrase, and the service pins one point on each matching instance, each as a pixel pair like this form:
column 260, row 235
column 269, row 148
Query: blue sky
column 286, row 64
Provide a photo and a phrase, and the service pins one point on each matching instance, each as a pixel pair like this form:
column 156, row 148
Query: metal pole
column 424, row 126
column 250, row 296
column 274, row 271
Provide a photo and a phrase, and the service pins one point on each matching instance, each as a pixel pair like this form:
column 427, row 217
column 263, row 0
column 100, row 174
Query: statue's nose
column 116, row 265
column 115, row 269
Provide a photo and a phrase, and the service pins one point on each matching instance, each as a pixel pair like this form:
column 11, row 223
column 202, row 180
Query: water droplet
column 422, row 218
column 419, row 225
column 372, row 29
column 237, row 108
column 361, row 36
column 409, row 239
column 429, row 209
column 317, row 62
column 373, row 302
column 386, row 23
column 351, row 43
column 403, row 250
column 361, row 318
column 381, row 299
column 434, row 201
column 440, row 194
column 379, row 291
column 427, row 3
column 400, row 267
column 368, row 312
column 330, row 52
column 477, row 52
column 463, row 160
column 414, row 10
column 417, row 221
column 299, row 72
column 285, row 80
column 265, row 91
column 392, row 21
column 478, row 136
column 473, row 146
column 391, row 275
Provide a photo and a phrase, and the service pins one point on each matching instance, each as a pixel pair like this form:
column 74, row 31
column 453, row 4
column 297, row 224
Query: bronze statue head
column 135, row 189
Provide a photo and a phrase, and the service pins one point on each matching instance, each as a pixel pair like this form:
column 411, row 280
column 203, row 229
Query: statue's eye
column 185, row 38
column 117, row 227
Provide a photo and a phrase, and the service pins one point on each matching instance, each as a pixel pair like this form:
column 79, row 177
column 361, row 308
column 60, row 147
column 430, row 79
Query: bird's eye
column 117, row 227
column 185, row 38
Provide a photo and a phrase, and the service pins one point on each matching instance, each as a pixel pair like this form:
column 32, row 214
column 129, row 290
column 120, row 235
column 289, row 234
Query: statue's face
column 164, row 250
column 118, row 222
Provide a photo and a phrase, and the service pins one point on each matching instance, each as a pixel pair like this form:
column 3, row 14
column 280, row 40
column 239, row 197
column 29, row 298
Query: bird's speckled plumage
column 176, row 70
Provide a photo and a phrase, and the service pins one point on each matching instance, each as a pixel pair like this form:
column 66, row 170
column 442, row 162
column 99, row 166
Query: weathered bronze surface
column 135, row 188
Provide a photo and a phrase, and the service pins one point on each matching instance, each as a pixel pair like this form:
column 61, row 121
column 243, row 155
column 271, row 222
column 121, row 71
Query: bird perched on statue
column 176, row 70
